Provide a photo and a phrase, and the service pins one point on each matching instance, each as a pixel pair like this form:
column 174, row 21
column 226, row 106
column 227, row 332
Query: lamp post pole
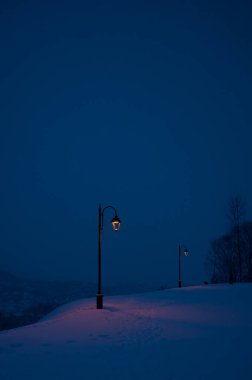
column 179, row 267
column 116, row 225
column 99, row 295
column 179, row 264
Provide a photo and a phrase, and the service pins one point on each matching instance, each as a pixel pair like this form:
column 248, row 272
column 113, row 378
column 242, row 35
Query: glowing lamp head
column 116, row 223
column 186, row 253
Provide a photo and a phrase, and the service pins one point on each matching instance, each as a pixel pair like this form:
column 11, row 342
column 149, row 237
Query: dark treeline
column 230, row 256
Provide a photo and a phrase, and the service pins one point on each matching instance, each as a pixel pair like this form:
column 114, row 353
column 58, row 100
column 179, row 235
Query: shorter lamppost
column 179, row 264
column 116, row 225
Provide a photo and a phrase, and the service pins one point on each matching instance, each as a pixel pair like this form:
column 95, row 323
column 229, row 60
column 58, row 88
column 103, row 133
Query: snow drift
column 202, row 333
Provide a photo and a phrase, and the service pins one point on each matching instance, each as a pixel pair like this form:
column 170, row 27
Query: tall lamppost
column 179, row 264
column 116, row 225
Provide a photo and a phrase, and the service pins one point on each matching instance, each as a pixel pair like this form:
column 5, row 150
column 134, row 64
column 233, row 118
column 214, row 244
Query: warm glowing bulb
column 116, row 223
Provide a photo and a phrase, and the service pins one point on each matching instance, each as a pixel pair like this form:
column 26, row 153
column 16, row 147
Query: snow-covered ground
column 199, row 333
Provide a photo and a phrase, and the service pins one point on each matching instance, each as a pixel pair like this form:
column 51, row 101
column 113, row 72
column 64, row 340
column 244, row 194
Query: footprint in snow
column 46, row 344
column 16, row 345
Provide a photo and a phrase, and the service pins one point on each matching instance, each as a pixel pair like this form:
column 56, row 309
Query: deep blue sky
column 145, row 105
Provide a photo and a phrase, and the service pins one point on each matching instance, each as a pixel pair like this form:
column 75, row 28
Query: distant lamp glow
column 116, row 223
column 186, row 253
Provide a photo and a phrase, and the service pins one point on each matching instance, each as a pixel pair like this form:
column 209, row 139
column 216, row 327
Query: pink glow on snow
column 134, row 337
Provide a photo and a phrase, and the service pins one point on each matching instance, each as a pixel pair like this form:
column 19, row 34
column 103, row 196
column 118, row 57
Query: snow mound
column 202, row 332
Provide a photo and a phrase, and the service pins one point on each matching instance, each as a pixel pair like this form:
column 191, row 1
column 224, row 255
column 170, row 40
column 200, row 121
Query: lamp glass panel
column 116, row 224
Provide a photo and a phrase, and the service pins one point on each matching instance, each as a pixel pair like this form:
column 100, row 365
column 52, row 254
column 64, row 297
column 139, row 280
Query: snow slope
column 199, row 333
